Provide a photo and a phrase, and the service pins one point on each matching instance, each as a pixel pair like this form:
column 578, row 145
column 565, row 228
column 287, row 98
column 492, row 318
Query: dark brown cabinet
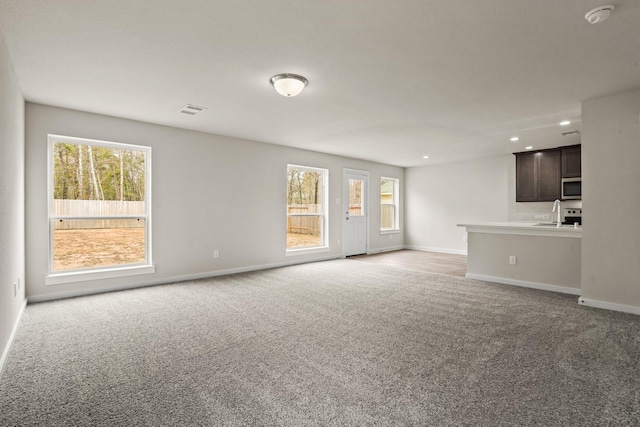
column 538, row 175
column 571, row 161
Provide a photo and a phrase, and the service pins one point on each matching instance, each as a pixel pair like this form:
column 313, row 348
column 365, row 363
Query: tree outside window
column 98, row 204
column 306, row 207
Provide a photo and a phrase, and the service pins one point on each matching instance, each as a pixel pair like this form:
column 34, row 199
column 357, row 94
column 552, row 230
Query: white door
column 355, row 212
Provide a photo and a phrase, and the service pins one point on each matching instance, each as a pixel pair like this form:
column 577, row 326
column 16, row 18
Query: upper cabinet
column 572, row 161
column 538, row 175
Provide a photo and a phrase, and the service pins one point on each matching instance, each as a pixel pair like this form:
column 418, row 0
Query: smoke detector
column 599, row 14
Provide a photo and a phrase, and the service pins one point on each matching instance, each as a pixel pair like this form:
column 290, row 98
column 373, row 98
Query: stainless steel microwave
column 571, row 188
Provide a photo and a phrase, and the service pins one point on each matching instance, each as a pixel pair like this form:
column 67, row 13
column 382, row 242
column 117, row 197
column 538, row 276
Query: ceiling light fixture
column 514, row 139
column 288, row 84
column 425, row 157
column 565, row 123
column 599, row 14
column 528, row 147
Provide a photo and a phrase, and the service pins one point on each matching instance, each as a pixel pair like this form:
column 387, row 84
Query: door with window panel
column 355, row 212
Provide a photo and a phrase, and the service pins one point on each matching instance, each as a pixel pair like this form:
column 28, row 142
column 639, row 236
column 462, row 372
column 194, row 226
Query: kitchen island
column 525, row 254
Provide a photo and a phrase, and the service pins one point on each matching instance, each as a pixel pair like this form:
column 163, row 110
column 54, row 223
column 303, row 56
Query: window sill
column 307, row 251
column 83, row 276
column 394, row 231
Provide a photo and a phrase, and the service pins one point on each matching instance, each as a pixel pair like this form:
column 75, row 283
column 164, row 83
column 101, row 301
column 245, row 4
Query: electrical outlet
column 512, row 259
column 216, row 254
column 390, row 236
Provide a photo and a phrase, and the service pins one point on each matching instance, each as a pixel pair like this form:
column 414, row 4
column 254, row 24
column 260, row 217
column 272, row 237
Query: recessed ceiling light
column 425, row 157
column 528, row 147
column 514, row 139
column 565, row 123
column 191, row 110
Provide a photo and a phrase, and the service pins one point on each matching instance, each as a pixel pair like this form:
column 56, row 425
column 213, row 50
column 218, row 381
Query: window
column 306, row 208
column 99, row 207
column 389, row 212
column 356, row 201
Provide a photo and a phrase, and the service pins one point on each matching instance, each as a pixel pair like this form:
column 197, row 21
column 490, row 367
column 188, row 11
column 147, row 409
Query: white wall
column 478, row 190
column 439, row 197
column 209, row 192
column 611, row 199
column 12, row 263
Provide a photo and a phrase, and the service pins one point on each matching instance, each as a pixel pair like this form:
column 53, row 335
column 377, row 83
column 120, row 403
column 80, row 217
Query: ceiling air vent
column 571, row 132
column 191, row 110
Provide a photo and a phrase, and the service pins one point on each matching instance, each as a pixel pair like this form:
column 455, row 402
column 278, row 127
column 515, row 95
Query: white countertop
column 524, row 228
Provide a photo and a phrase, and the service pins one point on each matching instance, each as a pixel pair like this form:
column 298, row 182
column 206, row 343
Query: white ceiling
column 389, row 81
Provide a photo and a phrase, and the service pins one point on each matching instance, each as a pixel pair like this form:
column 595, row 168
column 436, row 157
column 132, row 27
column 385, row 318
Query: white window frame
column 324, row 215
column 396, row 206
column 101, row 272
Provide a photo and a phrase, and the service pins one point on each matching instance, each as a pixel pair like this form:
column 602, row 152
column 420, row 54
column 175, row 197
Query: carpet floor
column 335, row 343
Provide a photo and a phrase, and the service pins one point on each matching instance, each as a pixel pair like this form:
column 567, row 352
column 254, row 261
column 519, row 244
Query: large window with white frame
column 389, row 208
column 307, row 220
column 99, row 206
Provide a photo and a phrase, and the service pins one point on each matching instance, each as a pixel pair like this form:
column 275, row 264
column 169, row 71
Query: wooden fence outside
column 98, row 208
column 309, row 224
column 387, row 213
column 304, row 224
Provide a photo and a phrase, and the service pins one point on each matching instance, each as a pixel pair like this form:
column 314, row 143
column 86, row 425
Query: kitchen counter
column 524, row 228
column 525, row 254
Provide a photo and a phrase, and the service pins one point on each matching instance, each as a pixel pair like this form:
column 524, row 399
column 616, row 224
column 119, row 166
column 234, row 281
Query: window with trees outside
column 389, row 214
column 99, row 205
column 306, row 207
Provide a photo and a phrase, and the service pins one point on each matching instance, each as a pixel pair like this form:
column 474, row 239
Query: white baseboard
column 440, row 250
column 12, row 337
column 609, row 305
column 522, row 283
column 173, row 279
column 386, row 249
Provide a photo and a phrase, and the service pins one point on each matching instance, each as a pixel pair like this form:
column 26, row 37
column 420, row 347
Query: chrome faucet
column 556, row 208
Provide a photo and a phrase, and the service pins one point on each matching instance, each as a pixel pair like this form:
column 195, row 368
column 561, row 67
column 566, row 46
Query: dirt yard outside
column 85, row 248
column 296, row 240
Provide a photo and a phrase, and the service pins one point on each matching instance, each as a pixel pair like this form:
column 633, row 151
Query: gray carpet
column 333, row 343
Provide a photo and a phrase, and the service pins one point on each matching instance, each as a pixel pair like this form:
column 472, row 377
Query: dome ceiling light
column 599, row 14
column 288, row 84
